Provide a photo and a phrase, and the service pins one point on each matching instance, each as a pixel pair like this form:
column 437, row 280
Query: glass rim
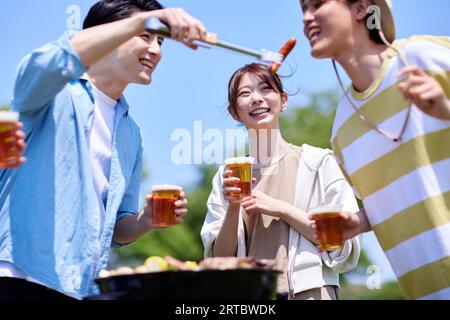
column 326, row 210
column 9, row 116
column 239, row 160
column 166, row 187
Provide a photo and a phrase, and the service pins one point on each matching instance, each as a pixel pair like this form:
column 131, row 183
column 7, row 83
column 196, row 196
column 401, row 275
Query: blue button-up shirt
column 49, row 221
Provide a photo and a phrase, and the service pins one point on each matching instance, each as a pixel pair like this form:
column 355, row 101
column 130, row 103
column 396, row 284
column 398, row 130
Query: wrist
column 140, row 20
column 364, row 225
column 234, row 206
column 285, row 210
column 447, row 109
column 441, row 108
column 144, row 222
column 233, row 209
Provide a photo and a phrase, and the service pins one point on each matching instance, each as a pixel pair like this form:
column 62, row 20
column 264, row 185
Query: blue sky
column 191, row 86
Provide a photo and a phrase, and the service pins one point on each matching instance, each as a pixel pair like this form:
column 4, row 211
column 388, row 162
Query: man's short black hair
column 106, row 11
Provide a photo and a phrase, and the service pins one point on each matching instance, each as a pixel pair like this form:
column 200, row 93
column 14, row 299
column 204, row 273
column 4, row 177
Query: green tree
column 311, row 123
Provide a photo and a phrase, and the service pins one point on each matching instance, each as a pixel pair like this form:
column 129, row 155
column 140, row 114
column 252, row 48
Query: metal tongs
column 154, row 25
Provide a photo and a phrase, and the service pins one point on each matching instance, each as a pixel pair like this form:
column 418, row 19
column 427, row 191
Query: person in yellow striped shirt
column 391, row 135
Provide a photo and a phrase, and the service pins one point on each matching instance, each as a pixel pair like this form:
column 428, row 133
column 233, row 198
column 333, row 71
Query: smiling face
column 257, row 102
column 136, row 59
column 328, row 25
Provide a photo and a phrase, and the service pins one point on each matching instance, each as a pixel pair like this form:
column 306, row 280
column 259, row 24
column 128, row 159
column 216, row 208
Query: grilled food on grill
column 227, row 263
column 158, row 264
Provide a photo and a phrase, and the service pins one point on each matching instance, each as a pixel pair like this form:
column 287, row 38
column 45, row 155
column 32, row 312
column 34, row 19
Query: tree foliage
column 312, row 123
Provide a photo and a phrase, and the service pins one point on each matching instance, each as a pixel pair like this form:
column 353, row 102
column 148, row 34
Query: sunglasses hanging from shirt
column 370, row 124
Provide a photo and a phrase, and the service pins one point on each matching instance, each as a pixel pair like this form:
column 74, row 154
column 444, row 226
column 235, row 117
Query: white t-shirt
column 100, row 147
column 100, row 150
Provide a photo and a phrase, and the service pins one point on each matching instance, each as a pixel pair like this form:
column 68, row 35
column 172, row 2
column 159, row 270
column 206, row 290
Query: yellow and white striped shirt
column 405, row 186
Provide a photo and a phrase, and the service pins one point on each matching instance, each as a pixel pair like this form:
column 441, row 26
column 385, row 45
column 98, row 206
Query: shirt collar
column 122, row 104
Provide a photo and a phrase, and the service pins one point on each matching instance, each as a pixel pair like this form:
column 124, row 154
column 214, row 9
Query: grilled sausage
column 284, row 51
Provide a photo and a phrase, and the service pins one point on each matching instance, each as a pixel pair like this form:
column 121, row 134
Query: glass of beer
column 7, row 129
column 241, row 168
column 329, row 227
column 164, row 197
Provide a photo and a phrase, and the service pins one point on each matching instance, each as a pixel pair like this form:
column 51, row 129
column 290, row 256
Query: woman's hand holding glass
column 261, row 203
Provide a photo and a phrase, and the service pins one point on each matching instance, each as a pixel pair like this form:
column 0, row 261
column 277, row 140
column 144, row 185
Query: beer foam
column 163, row 187
column 9, row 116
column 326, row 209
column 239, row 160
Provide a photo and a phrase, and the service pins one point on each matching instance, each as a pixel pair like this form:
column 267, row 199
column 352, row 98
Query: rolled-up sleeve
column 338, row 192
column 44, row 72
column 217, row 208
column 130, row 200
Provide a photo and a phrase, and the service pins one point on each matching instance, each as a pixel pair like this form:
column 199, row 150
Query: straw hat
column 387, row 19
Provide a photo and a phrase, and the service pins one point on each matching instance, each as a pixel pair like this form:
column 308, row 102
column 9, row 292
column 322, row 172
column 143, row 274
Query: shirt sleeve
column 338, row 192
column 431, row 54
column 130, row 200
column 217, row 208
column 44, row 72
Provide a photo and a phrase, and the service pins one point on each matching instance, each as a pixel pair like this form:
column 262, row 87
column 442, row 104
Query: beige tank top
column 267, row 237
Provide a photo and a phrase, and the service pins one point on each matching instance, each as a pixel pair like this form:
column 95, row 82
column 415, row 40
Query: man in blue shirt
column 79, row 190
